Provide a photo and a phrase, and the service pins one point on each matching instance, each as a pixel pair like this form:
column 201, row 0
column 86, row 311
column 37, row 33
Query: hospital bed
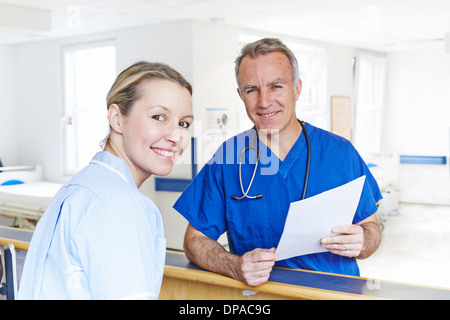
column 24, row 195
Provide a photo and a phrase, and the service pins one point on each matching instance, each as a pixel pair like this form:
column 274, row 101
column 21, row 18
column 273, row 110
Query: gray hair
column 264, row 46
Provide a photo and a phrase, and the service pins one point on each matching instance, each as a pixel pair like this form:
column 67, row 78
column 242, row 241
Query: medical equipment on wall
column 253, row 145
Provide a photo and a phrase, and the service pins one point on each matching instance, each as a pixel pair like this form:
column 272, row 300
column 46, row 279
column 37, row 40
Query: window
column 369, row 79
column 312, row 103
column 89, row 71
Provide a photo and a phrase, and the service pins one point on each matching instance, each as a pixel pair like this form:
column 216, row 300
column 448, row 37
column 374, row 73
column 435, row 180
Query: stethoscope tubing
column 242, row 153
column 308, row 160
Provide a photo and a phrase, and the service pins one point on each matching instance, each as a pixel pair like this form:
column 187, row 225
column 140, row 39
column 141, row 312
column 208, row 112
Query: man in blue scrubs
column 269, row 85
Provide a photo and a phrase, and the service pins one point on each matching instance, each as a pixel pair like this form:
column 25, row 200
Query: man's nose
column 264, row 99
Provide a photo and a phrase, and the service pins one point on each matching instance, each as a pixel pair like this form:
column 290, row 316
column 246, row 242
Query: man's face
column 266, row 87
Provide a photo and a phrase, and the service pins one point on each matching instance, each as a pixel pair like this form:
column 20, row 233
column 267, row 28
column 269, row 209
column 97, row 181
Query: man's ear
column 239, row 93
column 298, row 89
column 115, row 117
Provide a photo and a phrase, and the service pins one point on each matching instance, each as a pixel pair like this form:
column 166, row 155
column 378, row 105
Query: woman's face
column 155, row 131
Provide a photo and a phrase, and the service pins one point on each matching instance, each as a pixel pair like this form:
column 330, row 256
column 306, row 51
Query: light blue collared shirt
column 100, row 238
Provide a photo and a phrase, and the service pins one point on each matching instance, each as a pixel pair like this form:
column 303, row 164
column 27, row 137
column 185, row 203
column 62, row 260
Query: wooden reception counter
column 184, row 280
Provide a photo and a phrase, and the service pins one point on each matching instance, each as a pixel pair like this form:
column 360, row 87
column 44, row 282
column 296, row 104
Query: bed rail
column 19, row 174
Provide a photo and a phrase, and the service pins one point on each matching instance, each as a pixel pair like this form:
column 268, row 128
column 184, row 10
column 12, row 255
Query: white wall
column 339, row 71
column 417, row 121
column 38, row 103
column 8, row 110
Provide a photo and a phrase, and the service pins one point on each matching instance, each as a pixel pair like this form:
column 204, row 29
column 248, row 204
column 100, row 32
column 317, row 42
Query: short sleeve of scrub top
column 208, row 205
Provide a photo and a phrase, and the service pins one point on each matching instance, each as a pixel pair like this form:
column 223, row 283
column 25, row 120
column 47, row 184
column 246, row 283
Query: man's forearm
column 253, row 268
column 209, row 254
column 372, row 239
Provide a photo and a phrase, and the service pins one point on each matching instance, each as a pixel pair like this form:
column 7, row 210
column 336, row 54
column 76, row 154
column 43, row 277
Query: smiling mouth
column 164, row 153
column 267, row 115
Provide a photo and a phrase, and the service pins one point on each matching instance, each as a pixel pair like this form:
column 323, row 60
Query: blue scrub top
column 208, row 205
column 100, row 238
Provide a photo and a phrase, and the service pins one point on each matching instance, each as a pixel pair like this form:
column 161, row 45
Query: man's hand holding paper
column 324, row 222
column 349, row 242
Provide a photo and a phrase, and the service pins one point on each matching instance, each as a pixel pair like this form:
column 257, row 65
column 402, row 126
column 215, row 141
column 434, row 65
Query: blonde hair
column 126, row 88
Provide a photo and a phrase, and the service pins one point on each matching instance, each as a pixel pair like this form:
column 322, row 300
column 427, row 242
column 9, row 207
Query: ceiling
column 383, row 25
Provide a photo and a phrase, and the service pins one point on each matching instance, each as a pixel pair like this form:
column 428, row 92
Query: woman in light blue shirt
column 100, row 238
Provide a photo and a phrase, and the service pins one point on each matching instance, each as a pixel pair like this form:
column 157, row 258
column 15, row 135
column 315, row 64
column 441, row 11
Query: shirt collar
column 292, row 156
column 114, row 164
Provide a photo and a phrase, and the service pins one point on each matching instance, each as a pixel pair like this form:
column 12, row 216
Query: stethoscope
column 253, row 145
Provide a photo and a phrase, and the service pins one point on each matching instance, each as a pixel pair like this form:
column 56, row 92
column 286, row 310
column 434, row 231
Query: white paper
column 311, row 219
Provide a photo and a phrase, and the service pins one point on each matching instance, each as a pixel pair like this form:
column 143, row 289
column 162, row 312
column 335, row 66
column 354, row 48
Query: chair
column 10, row 288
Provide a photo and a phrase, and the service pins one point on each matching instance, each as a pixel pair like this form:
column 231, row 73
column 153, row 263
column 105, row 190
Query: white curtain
column 368, row 96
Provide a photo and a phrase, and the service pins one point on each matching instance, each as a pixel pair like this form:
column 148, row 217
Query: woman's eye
column 184, row 124
column 158, row 117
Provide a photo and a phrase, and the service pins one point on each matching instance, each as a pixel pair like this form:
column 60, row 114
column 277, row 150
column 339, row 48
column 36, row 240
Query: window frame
column 67, row 114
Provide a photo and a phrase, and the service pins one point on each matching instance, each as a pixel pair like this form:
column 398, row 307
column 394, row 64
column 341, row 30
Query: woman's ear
column 115, row 117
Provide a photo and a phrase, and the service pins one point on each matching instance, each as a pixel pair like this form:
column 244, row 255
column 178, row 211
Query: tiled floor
column 415, row 247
